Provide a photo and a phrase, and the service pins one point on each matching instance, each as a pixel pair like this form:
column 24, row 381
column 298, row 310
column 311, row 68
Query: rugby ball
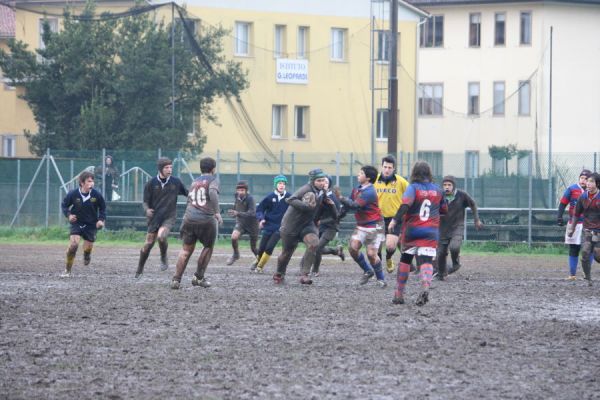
column 310, row 199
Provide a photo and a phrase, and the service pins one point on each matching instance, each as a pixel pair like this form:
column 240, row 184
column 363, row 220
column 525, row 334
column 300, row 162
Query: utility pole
column 550, row 191
column 393, row 80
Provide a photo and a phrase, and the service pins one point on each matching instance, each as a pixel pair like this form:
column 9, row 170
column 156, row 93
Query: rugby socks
column 163, row 245
column 263, row 260
column 143, row 257
column 426, row 274
column 378, row 271
column 402, row 278
column 573, row 265
column 70, row 259
column 236, row 249
column 389, row 253
column 363, row 263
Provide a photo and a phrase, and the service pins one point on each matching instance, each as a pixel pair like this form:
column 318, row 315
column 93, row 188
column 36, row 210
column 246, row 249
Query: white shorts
column 370, row 237
column 421, row 251
column 577, row 235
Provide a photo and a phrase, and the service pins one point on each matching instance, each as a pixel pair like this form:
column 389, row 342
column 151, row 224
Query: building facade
column 311, row 65
column 484, row 76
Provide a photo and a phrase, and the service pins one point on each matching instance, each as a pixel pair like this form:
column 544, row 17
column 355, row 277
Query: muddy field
column 502, row 327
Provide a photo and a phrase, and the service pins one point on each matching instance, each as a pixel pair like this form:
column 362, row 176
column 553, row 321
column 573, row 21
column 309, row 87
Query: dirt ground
column 503, row 327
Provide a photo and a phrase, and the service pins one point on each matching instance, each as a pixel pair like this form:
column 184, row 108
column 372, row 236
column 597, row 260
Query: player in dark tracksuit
column 298, row 225
column 452, row 226
column 329, row 222
column 86, row 210
column 588, row 207
column 244, row 211
column 270, row 212
column 160, row 207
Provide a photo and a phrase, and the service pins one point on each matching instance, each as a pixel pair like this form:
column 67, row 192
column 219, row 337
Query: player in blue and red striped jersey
column 572, row 193
column 422, row 204
column 369, row 225
column 588, row 208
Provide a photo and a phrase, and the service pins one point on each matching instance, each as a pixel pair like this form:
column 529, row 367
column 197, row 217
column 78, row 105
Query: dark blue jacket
column 271, row 209
column 89, row 211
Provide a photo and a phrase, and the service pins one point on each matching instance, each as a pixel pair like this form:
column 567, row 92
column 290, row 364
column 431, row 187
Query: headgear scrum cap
column 242, row 185
column 450, row 178
column 586, row 172
column 316, row 174
column 163, row 162
column 279, row 178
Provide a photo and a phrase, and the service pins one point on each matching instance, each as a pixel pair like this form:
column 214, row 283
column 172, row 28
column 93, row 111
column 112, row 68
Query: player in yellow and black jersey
column 389, row 187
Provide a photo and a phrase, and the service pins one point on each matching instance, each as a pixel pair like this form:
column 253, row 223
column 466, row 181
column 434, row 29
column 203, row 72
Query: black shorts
column 86, row 231
column 396, row 230
column 250, row 228
column 289, row 240
column 154, row 224
column 203, row 232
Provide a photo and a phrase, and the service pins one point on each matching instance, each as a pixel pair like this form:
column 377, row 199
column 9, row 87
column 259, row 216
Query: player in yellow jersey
column 389, row 187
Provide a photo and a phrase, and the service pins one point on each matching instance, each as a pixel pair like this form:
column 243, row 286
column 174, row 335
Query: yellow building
column 311, row 65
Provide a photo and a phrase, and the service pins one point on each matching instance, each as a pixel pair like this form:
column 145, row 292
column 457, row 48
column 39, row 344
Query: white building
column 484, row 75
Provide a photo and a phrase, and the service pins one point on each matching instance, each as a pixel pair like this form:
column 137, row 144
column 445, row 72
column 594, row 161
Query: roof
column 425, row 3
column 7, row 21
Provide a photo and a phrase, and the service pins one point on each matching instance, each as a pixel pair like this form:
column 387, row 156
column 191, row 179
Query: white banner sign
column 292, row 71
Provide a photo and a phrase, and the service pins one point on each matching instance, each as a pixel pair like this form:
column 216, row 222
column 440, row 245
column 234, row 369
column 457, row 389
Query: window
column 242, row 38
column 280, row 41
column 52, row 23
column 301, row 122
column 431, row 97
column 499, row 95
column 525, row 37
column 303, row 44
column 475, row 30
column 383, row 46
column 473, row 106
column 523, row 161
column 499, row 29
column 524, row 97
column 8, row 146
column 338, row 44
column 432, row 32
column 499, row 166
column 472, row 164
column 383, row 123
column 279, row 121
column 434, row 158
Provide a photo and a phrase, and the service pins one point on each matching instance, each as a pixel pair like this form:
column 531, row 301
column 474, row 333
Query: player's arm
column 213, row 192
column 356, row 204
column 564, row 201
column 295, row 201
column 576, row 215
column 398, row 218
column 147, row 203
column 182, row 189
column 473, row 206
column 66, row 206
column 101, row 212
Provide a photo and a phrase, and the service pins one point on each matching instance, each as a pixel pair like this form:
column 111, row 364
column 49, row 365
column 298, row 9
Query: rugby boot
column 278, row 278
column 66, row 274
column 455, row 267
column 413, row 269
column 588, row 278
column 175, row 284
column 87, row 258
column 305, row 280
column 253, row 265
column 340, row 252
column 366, row 277
column 571, row 278
column 234, row 257
column 423, row 298
column 398, row 299
column 389, row 266
column 200, row 282
column 381, row 283
column 164, row 263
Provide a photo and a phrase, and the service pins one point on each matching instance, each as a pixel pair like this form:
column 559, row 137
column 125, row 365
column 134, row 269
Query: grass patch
column 60, row 234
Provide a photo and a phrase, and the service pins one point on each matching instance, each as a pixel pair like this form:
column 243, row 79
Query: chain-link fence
column 31, row 189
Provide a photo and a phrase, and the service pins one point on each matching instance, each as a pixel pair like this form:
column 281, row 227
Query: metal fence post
column 238, row 166
column 401, row 163
column 123, row 194
column 293, row 159
column 350, row 174
column 18, row 186
column 47, row 186
column 337, row 168
column 179, row 164
column 595, row 161
column 71, row 170
column 102, row 163
column 281, row 162
column 159, row 152
column 466, row 186
column 530, row 200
